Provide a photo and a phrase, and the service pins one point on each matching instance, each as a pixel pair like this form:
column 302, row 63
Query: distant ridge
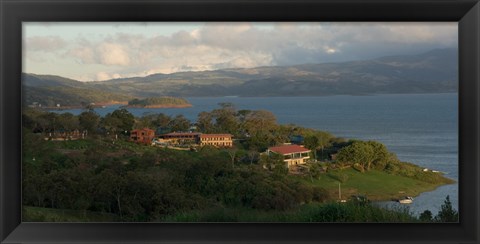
column 434, row 71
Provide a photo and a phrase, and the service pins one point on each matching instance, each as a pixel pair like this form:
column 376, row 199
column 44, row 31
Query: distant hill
column 431, row 72
column 50, row 90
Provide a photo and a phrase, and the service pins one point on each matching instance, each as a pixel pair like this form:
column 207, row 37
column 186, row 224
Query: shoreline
column 160, row 106
column 95, row 105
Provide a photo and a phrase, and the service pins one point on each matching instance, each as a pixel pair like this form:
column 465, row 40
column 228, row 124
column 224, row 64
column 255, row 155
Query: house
column 144, row 135
column 217, row 140
column 63, row 135
column 191, row 138
column 181, row 137
column 292, row 154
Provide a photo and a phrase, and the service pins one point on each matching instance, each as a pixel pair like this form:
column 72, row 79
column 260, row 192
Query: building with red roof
column 181, row 137
column 144, row 135
column 292, row 154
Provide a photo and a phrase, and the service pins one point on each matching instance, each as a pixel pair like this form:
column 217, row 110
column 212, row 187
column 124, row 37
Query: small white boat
column 406, row 200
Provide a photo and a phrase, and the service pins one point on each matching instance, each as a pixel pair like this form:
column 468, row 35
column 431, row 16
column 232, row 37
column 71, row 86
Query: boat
column 406, row 200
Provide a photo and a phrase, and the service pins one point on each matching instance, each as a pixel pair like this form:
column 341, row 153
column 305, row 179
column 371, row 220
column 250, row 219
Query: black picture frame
column 14, row 12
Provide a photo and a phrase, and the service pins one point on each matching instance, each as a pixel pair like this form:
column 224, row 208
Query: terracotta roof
column 287, row 149
column 215, row 135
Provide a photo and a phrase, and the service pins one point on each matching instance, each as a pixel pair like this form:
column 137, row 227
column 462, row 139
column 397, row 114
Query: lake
column 419, row 128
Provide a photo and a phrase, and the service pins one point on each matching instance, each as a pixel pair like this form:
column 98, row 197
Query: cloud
column 44, row 43
column 107, row 76
column 243, row 45
column 113, row 54
column 105, row 53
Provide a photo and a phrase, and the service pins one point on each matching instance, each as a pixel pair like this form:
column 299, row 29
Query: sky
column 103, row 51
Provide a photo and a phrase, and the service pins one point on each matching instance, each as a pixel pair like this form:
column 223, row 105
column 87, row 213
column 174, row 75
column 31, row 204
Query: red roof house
column 292, row 154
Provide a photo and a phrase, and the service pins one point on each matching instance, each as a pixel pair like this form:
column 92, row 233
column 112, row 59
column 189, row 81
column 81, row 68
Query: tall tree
column 312, row 143
column 363, row 153
column 205, row 122
column 89, row 121
column 447, row 213
column 225, row 119
column 119, row 120
column 179, row 123
column 67, row 122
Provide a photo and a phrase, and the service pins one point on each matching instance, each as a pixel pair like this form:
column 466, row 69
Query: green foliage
column 363, row 153
column 70, row 96
column 139, row 183
column 37, row 214
column 225, row 119
column 317, row 140
column 413, row 171
column 426, row 216
column 179, row 123
column 89, row 121
column 119, row 120
column 329, row 212
column 447, row 213
column 165, row 101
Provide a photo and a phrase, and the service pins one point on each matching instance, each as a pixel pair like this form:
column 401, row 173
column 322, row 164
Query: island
column 159, row 102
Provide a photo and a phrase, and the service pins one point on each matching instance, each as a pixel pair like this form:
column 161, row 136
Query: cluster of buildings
column 61, row 135
column 293, row 154
column 147, row 136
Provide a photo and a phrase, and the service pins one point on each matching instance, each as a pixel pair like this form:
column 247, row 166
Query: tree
column 380, row 153
column 119, row 120
column 67, row 122
column 146, row 121
column 260, row 122
column 323, row 139
column 179, row 123
column 363, row 153
column 447, row 213
column 112, row 186
column 162, row 122
column 312, row 143
column 426, row 216
column 261, row 127
column 111, row 124
column 47, row 122
column 274, row 162
column 252, row 155
column 89, row 121
column 205, row 122
column 225, row 119
column 314, row 171
column 232, row 152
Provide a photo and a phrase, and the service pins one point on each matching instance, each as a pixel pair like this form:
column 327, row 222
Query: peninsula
column 159, row 102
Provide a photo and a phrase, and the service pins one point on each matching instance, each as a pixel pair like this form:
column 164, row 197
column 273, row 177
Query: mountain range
column 435, row 71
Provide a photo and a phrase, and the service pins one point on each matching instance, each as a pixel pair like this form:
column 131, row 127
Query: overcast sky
column 101, row 51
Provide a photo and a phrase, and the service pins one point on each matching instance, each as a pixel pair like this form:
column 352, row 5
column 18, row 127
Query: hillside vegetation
column 106, row 173
column 157, row 102
column 431, row 72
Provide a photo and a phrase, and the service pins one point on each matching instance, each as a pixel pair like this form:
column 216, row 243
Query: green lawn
column 376, row 185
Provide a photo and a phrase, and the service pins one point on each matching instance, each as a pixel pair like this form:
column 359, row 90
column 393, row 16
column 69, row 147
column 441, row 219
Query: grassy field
column 36, row 214
column 376, row 185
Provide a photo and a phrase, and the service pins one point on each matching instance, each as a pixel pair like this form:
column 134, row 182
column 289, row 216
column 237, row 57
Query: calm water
column 419, row 128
